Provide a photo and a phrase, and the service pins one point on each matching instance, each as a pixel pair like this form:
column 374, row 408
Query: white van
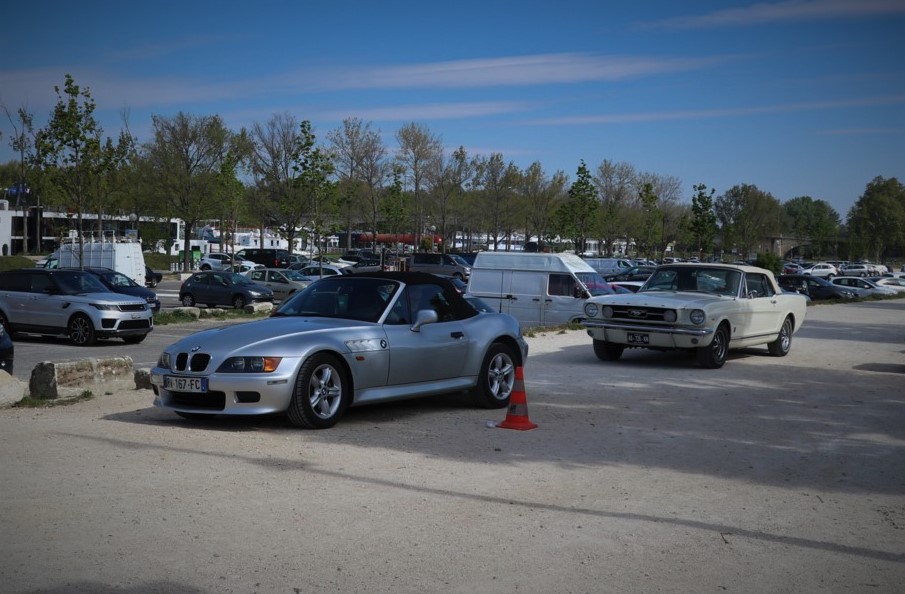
column 121, row 256
column 536, row 289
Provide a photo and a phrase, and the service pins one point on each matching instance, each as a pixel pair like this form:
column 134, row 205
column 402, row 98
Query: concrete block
column 258, row 307
column 143, row 378
column 61, row 379
column 11, row 389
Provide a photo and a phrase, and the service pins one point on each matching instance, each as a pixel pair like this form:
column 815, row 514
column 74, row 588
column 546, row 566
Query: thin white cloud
column 431, row 111
column 785, row 12
column 626, row 118
column 863, row 131
column 541, row 69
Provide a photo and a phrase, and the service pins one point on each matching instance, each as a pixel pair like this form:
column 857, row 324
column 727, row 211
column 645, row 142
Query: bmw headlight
column 697, row 316
column 591, row 310
column 164, row 360
column 250, row 365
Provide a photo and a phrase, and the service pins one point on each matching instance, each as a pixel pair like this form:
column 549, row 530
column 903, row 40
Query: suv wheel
column 81, row 331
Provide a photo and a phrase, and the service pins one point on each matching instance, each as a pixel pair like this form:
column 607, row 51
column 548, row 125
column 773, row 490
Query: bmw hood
column 267, row 333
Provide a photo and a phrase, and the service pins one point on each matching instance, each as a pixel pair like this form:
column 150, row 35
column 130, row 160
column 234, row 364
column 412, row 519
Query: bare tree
column 359, row 158
column 417, row 149
column 541, row 196
column 448, row 178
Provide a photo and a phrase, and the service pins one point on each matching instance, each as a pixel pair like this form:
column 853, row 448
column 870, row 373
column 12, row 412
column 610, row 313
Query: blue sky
column 800, row 97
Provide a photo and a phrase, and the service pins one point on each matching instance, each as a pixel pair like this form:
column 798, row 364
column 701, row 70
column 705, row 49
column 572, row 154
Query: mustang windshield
column 595, row 284
column 719, row 281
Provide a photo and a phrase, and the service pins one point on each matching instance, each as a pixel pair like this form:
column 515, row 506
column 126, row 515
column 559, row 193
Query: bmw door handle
column 457, row 335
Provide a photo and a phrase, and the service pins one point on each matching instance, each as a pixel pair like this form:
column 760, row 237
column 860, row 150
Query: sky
column 797, row 97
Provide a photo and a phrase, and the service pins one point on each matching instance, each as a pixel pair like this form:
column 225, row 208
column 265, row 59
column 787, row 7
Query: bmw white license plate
column 636, row 338
column 175, row 383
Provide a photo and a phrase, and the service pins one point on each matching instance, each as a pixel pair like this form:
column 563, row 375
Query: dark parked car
column 268, row 257
column 152, row 278
column 120, row 283
column 222, row 288
column 814, row 287
column 6, row 351
column 635, row 273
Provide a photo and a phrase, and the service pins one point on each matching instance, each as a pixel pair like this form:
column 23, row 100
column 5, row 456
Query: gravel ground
column 646, row 475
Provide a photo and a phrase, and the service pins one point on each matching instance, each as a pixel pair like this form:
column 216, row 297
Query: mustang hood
column 662, row 299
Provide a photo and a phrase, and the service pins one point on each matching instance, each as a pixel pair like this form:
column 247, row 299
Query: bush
column 771, row 262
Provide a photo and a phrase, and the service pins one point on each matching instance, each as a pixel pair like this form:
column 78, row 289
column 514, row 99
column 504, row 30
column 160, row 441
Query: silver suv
column 71, row 303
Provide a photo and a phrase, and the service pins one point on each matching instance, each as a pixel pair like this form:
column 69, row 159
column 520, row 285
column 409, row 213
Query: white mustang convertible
column 709, row 308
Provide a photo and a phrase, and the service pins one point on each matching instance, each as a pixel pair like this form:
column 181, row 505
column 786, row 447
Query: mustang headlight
column 164, row 360
column 670, row 316
column 591, row 310
column 697, row 316
column 250, row 365
column 607, row 311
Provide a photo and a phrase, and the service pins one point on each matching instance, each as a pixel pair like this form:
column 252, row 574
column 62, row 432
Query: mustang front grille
column 650, row 315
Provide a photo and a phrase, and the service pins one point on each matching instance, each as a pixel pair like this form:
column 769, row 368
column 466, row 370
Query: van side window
column 561, row 284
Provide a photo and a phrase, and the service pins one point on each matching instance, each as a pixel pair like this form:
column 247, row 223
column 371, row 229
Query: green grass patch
column 29, row 402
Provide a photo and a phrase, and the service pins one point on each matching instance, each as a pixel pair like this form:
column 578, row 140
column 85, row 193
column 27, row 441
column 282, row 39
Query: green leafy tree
column 497, row 181
column 576, row 214
column 747, row 216
column 71, row 152
column 702, row 224
column 813, row 220
column 186, row 160
column 394, row 208
column 313, row 169
column 877, row 220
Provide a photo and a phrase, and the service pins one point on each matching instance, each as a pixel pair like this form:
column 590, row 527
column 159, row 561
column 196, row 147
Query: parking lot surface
column 648, row 474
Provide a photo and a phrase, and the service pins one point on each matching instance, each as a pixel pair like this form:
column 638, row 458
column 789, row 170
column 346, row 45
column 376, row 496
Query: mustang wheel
column 713, row 355
column 607, row 351
column 188, row 300
column 783, row 343
column 81, row 331
column 497, row 377
column 321, row 393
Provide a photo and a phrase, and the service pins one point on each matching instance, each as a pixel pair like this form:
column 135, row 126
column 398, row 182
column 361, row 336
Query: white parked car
column 896, row 283
column 864, row 286
column 821, row 269
column 861, row 270
column 705, row 308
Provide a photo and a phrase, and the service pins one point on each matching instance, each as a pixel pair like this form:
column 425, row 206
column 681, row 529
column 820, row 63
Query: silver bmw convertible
column 344, row 341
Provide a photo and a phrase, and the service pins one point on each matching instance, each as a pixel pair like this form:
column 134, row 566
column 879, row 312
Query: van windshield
column 595, row 284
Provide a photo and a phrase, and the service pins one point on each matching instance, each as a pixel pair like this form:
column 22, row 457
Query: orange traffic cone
column 517, row 415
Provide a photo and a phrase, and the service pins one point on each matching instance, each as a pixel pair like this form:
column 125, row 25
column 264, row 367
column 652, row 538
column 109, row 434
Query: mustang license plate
column 185, row 384
column 636, row 338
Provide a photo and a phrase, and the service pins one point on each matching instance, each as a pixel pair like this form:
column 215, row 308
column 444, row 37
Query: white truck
column 122, row 256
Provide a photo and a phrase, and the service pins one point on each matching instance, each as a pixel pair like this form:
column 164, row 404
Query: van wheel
column 81, row 331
